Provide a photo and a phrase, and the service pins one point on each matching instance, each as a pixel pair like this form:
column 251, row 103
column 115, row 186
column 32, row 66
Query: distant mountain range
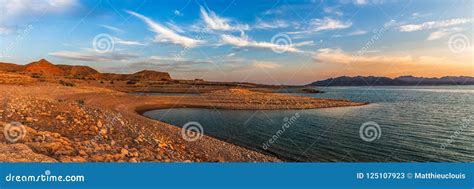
column 399, row 81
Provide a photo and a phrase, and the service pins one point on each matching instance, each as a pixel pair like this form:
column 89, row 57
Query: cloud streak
column 93, row 57
column 165, row 34
column 443, row 32
column 271, row 25
column 328, row 24
column 112, row 28
column 169, row 64
column 245, row 41
column 434, row 24
column 214, row 22
column 17, row 8
column 125, row 42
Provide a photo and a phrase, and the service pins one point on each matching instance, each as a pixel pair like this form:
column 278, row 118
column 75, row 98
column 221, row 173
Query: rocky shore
column 61, row 123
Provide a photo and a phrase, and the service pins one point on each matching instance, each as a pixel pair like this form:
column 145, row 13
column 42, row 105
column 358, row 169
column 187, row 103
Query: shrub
column 131, row 82
column 67, row 84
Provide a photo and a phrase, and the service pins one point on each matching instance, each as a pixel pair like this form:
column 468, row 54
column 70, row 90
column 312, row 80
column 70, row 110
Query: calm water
column 415, row 123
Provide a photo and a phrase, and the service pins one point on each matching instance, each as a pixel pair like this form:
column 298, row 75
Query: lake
column 407, row 123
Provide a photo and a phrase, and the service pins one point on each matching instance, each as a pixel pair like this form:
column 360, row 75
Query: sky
column 271, row 42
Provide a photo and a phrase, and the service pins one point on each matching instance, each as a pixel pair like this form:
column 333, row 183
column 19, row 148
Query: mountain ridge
column 398, row 81
column 45, row 68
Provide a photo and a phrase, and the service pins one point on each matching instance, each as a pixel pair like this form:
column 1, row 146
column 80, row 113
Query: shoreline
column 90, row 124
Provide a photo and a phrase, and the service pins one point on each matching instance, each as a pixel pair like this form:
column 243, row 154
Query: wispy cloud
column 165, row 34
column 4, row 30
column 17, row 8
column 360, row 2
column 434, row 24
column 328, row 24
column 169, row 64
column 357, row 32
column 112, row 28
column 245, row 41
column 333, row 10
column 94, row 57
column 125, row 42
column 265, row 65
column 420, row 15
column 304, row 43
column 374, row 2
column 271, row 25
column 443, row 32
column 174, row 27
column 177, row 13
column 215, row 22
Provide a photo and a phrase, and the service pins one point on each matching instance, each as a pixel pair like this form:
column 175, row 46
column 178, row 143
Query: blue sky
column 275, row 42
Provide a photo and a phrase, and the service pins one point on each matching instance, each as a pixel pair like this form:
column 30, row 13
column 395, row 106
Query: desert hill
column 151, row 75
column 44, row 68
column 78, row 71
column 9, row 67
column 147, row 75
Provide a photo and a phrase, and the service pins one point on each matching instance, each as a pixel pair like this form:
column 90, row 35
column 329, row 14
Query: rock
column 82, row 153
column 133, row 160
column 72, row 159
column 103, row 132
column 29, row 119
column 124, row 151
column 94, row 128
column 21, row 153
column 162, row 145
column 134, row 154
